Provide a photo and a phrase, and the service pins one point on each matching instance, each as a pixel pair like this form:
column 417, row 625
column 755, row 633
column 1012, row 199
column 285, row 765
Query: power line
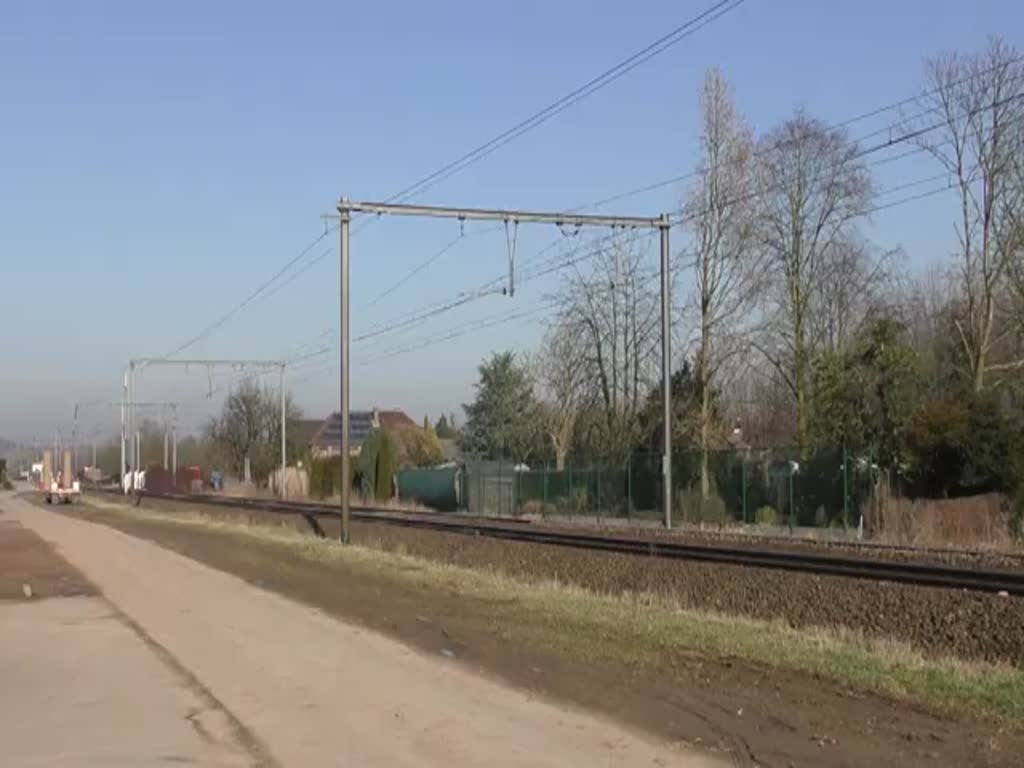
column 415, row 271
column 461, row 330
column 663, row 43
column 246, row 301
column 760, row 152
column 473, row 327
column 426, row 315
column 305, row 268
column 488, row 288
column 679, row 178
column 678, row 34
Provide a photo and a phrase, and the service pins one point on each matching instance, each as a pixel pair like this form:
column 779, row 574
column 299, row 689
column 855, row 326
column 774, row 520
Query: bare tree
column 852, row 289
column 976, row 101
column 562, row 375
column 723, row 221
column 813, row 187
column 611, row 313
column 249, row 427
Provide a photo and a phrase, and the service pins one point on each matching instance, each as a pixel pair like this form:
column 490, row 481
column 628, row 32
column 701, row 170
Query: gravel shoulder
column 315, row 690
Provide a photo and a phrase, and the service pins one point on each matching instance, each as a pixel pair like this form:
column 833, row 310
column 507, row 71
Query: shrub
column 576, row 502
column 1017, row 515
column 385, row 471
column 416, row 447
column 967, row 521
column 325, row 477
column 694, row 508
column 767, row 515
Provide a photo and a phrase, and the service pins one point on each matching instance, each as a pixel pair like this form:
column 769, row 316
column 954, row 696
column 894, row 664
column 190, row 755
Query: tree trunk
column 560, row 459
column 705, row 408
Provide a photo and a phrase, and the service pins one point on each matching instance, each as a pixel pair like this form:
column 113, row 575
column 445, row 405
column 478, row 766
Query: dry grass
column 974, row 522
column 656, row 633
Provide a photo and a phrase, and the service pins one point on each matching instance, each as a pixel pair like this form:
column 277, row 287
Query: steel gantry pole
column 74, row 444
column 345, row 332
column 662, row 223
column 124, row 394
column 665, row 228
column 284, row 427
column 174, row 444
column 131, row 425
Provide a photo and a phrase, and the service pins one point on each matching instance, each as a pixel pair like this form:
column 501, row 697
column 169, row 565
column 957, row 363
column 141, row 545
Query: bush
column 385, row 469
column 1017, row 515
column 767, row 515
column 965, row 446
column 416, row 447
column 576, row 502
column 967, row 521
column 378, row 461
column 694, row 508
column 325, row 477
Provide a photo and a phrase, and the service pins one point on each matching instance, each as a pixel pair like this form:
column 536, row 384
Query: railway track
column 920, row 574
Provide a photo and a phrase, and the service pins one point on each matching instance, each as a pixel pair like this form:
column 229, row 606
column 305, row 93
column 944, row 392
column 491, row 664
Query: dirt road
column 79, row 687
column 314, row 691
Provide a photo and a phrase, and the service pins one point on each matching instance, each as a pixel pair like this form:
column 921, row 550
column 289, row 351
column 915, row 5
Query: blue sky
column 159, row 161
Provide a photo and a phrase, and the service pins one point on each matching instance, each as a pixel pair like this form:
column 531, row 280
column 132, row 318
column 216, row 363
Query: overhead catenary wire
column 305, row 267
column 487, row 289
column 415, row 271
column 247, row 300
column 479, row 325
column 761, row 151
column 606, row 78
column 479, row 152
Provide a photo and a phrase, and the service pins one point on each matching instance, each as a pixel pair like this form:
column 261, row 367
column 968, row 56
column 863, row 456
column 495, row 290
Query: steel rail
column 919, row 574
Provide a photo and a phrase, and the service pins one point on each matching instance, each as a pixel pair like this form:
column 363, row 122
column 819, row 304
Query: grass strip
column 646, row 630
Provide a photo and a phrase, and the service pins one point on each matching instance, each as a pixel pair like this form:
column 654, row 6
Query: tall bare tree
column 562, row 375
column 722, row 217
column 976, row 101
column 812, row 188
column 611, row 311
column 856, row 283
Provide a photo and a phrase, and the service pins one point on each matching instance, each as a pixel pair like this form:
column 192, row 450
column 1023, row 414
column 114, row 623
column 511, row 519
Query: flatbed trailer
column 58, row 494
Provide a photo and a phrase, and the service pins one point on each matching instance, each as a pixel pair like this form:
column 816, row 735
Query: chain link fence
column 753, row 487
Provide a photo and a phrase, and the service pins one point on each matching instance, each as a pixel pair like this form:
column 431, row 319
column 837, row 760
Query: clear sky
column 158, row 161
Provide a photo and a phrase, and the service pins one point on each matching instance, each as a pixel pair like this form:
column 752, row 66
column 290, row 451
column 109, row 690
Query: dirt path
column 78, row 686
column 319, row 692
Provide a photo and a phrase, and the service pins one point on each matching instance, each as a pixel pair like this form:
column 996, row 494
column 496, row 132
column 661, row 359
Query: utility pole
column 511, row 218
column 174, row 443
column 284, row 427
column 664, row 228
column 131, row 423
column 345, row 333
